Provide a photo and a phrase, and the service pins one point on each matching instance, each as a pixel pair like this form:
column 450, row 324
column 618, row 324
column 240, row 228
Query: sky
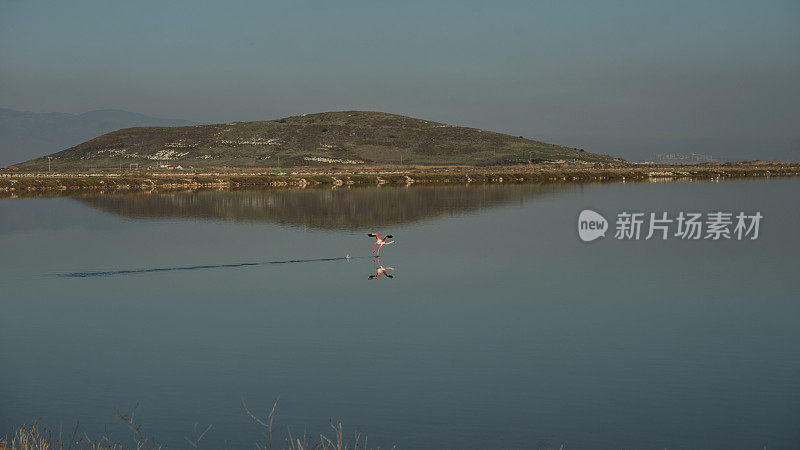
column 628, row 78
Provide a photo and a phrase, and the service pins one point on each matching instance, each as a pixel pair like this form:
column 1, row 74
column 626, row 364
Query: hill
column 345, row 138
column 25, row 135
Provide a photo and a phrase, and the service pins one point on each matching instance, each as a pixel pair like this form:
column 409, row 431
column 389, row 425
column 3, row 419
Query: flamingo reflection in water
column 380, row 270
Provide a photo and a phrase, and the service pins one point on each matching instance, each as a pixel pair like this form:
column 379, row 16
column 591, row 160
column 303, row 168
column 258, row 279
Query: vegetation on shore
column 21, row 182
column 36, row 437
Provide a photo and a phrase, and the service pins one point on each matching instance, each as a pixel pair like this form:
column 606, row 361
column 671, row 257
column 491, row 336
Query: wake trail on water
column 110, row 273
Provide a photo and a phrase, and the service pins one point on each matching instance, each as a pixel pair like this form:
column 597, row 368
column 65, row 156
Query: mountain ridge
column 339, row 138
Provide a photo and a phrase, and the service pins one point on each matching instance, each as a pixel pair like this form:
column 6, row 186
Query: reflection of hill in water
column 353, row 208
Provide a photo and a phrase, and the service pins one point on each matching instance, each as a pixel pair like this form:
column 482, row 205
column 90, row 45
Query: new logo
column 591, row 225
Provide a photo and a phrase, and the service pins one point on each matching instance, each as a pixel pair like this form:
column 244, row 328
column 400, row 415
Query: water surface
column 499, row 329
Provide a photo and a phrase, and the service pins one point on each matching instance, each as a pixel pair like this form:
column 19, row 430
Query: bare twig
column 267, row 425
column 196, row 438
column 74, row 434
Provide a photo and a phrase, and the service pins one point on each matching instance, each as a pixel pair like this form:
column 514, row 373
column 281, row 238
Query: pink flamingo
column 379, row 242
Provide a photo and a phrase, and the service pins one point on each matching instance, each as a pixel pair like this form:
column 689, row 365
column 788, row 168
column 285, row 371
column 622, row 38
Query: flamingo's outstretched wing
column 388, row 236
column 373, row 235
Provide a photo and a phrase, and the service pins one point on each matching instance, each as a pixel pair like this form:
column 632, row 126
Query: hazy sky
column 627, row 78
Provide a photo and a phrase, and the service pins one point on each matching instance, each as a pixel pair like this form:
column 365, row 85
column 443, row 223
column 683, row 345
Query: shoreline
column 17, row 182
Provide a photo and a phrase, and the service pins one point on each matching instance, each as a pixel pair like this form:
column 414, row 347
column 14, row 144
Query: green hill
column 343, row 139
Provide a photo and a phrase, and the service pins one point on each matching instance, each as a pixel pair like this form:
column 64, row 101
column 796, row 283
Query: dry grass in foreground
column 37, row 437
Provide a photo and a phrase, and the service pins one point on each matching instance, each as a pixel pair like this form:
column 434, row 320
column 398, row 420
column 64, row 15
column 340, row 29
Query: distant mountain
column 26, row 135
column 343, row 138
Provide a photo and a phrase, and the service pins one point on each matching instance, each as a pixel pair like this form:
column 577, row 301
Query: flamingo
column 379, row 242
column 380, row 270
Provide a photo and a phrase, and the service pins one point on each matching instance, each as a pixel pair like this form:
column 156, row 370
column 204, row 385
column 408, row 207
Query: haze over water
column 500, row 328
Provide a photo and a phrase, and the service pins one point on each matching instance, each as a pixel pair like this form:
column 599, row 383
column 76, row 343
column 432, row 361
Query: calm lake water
column 499, row 329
